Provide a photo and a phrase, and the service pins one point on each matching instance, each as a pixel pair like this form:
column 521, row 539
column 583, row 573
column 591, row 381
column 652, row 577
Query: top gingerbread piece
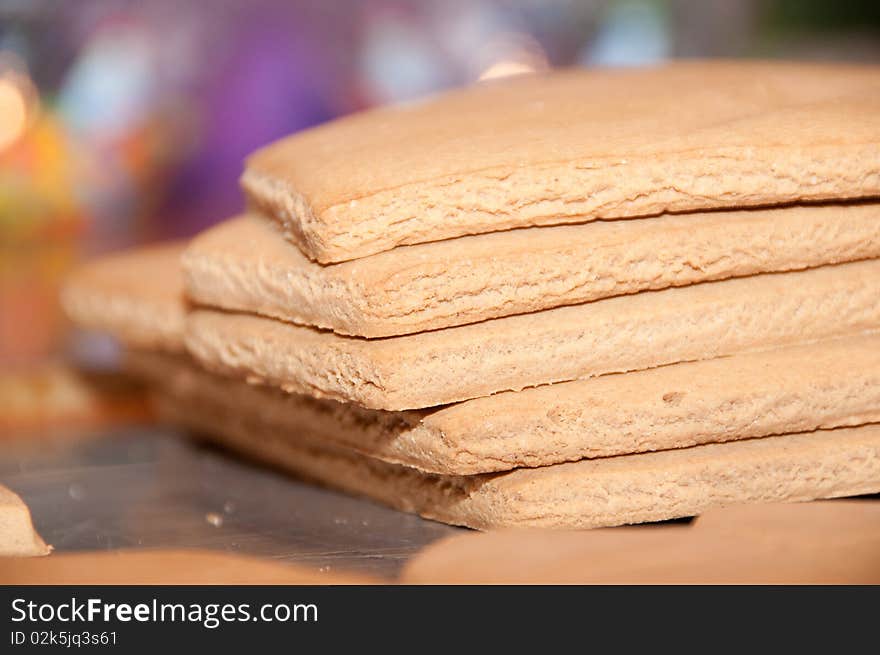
column 570, row 147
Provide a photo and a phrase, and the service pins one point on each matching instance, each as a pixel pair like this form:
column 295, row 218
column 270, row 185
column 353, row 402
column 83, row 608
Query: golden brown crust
column 620, row 334
column 573, row 146
column 244, row 265
column 794, row 543
column 18, row 538
column 824, row 385
column 135, row 295
column 167, row 567
column 587, row 494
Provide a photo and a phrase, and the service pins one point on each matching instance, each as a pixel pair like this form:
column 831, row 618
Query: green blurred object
column 821, row 15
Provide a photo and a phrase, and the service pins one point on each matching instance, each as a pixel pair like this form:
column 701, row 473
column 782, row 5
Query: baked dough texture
column 167, row 567
column 826, row 542
column 613, row 335
column 796, row 379
column 18, row 538
column 137, row 296
column 593, row 493
column 572, row 146
column 832, row 384
column 245, row 265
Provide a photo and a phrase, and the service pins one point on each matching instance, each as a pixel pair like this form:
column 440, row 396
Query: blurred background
column 126, row 122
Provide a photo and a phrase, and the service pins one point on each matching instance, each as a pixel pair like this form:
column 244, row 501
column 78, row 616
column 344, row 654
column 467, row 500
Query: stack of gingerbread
column 573, row 300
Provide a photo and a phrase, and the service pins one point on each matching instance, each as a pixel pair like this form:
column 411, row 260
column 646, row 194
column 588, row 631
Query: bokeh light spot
column 13, row 113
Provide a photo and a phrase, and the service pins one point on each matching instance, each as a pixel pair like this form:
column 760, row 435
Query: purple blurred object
column 272, row 80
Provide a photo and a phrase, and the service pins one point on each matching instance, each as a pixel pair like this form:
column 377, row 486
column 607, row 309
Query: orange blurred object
column 40, row 225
